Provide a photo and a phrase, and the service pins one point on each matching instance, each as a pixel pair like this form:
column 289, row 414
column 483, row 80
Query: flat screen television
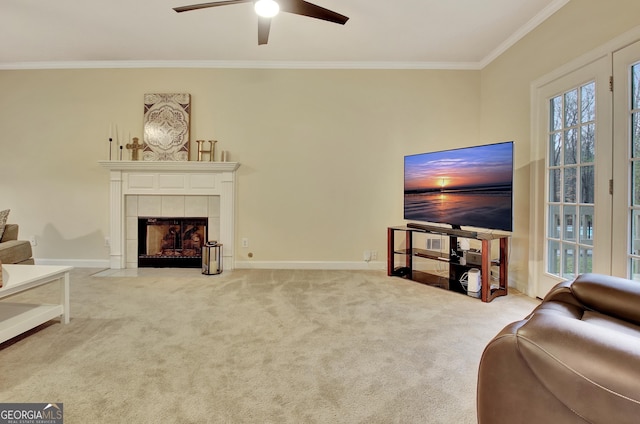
column 471, row 186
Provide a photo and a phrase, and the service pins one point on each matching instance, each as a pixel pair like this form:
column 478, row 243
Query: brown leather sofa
column 574, row 359
column 12, row 250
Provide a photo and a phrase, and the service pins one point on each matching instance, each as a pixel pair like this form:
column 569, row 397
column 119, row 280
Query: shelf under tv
column 424, row 253
column 401, row 260
column 478, row 234
column 458, row 232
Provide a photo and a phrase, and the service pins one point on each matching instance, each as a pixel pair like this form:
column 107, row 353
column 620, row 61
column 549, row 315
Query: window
column 571, row 179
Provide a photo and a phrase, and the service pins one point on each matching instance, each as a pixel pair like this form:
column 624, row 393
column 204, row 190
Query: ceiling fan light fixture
column 267, row 8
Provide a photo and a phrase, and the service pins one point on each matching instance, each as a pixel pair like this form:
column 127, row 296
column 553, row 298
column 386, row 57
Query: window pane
column 587, row 184
column 588, row 143
column 571, row 147
column 588, row 93
column 635, row 233
column 556, row 113
column 571, row 178
column 570, row 185
column 571, row 108
column 554, row 185
column 569, row 225
column 635, row 183
column 553, row 259
column 554, row 221
column 635, row 269
column 568, row 260
column 555, row 149
column 634, row 264
column 585, row 262
column 635, row 86
column 586, row 225
column 635, row 134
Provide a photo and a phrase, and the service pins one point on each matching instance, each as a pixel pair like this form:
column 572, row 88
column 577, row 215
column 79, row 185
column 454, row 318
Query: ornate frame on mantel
column 166, row 127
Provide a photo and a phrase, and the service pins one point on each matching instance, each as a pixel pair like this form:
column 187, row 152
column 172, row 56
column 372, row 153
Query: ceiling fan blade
column 301, row 7
column 207, row 5
column 264, row 25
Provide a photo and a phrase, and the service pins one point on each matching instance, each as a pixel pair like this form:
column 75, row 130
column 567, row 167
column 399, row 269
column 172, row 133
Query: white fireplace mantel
column 171, row 178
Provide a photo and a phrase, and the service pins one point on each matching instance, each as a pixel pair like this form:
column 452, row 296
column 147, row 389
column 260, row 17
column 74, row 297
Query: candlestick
column 120, row 152
column 110, row 145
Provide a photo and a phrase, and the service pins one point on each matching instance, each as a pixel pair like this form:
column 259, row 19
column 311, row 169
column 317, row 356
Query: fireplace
column 171, row 242
column 169, row 189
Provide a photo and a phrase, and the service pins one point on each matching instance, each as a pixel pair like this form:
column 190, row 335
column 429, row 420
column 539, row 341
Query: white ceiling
column 451, row 34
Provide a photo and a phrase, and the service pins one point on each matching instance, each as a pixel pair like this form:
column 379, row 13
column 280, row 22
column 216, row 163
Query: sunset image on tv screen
column 462, row 187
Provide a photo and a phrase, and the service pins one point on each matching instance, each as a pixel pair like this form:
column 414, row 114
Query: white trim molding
column 347, row 266
column 170, row 178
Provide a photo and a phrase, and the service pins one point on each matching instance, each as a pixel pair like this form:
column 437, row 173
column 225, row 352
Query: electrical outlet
column 245, row 242
column 107, row 242
column 33, row 241
column 366, row 255
column 374, row 255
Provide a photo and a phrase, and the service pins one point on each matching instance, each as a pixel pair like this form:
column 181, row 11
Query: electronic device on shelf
column 470, row 187
column 474, row 282
column 474, row 257
column 458, row 232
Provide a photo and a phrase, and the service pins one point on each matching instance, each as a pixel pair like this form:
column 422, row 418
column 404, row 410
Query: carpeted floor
column 256, row 346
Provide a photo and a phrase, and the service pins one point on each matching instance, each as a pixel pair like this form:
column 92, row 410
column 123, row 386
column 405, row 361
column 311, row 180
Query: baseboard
column 104, row 263
column 377, row 265
column 76, row 263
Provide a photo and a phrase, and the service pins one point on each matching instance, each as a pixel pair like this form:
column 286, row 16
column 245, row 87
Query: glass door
column 570, row 173
column 626, row 226
column 572, row 205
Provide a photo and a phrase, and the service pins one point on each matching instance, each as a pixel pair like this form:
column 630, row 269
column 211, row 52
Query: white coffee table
column 16, row 318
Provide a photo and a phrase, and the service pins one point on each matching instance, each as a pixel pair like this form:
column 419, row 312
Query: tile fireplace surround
column 170, row 189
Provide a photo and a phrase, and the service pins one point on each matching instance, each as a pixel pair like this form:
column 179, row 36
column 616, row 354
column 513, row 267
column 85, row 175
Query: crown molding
column 552, row 8
column 239, row 64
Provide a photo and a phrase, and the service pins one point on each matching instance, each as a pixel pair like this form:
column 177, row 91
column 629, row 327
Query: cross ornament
column 134, row 147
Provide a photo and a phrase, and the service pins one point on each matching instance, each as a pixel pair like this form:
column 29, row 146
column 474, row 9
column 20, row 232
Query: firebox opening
column 171, row 242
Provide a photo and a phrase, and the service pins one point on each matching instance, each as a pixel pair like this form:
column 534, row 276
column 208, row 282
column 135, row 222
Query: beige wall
column 321, row 151
column 579, row 27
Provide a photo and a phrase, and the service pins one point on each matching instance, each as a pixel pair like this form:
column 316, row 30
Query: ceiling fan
column 266, row 9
